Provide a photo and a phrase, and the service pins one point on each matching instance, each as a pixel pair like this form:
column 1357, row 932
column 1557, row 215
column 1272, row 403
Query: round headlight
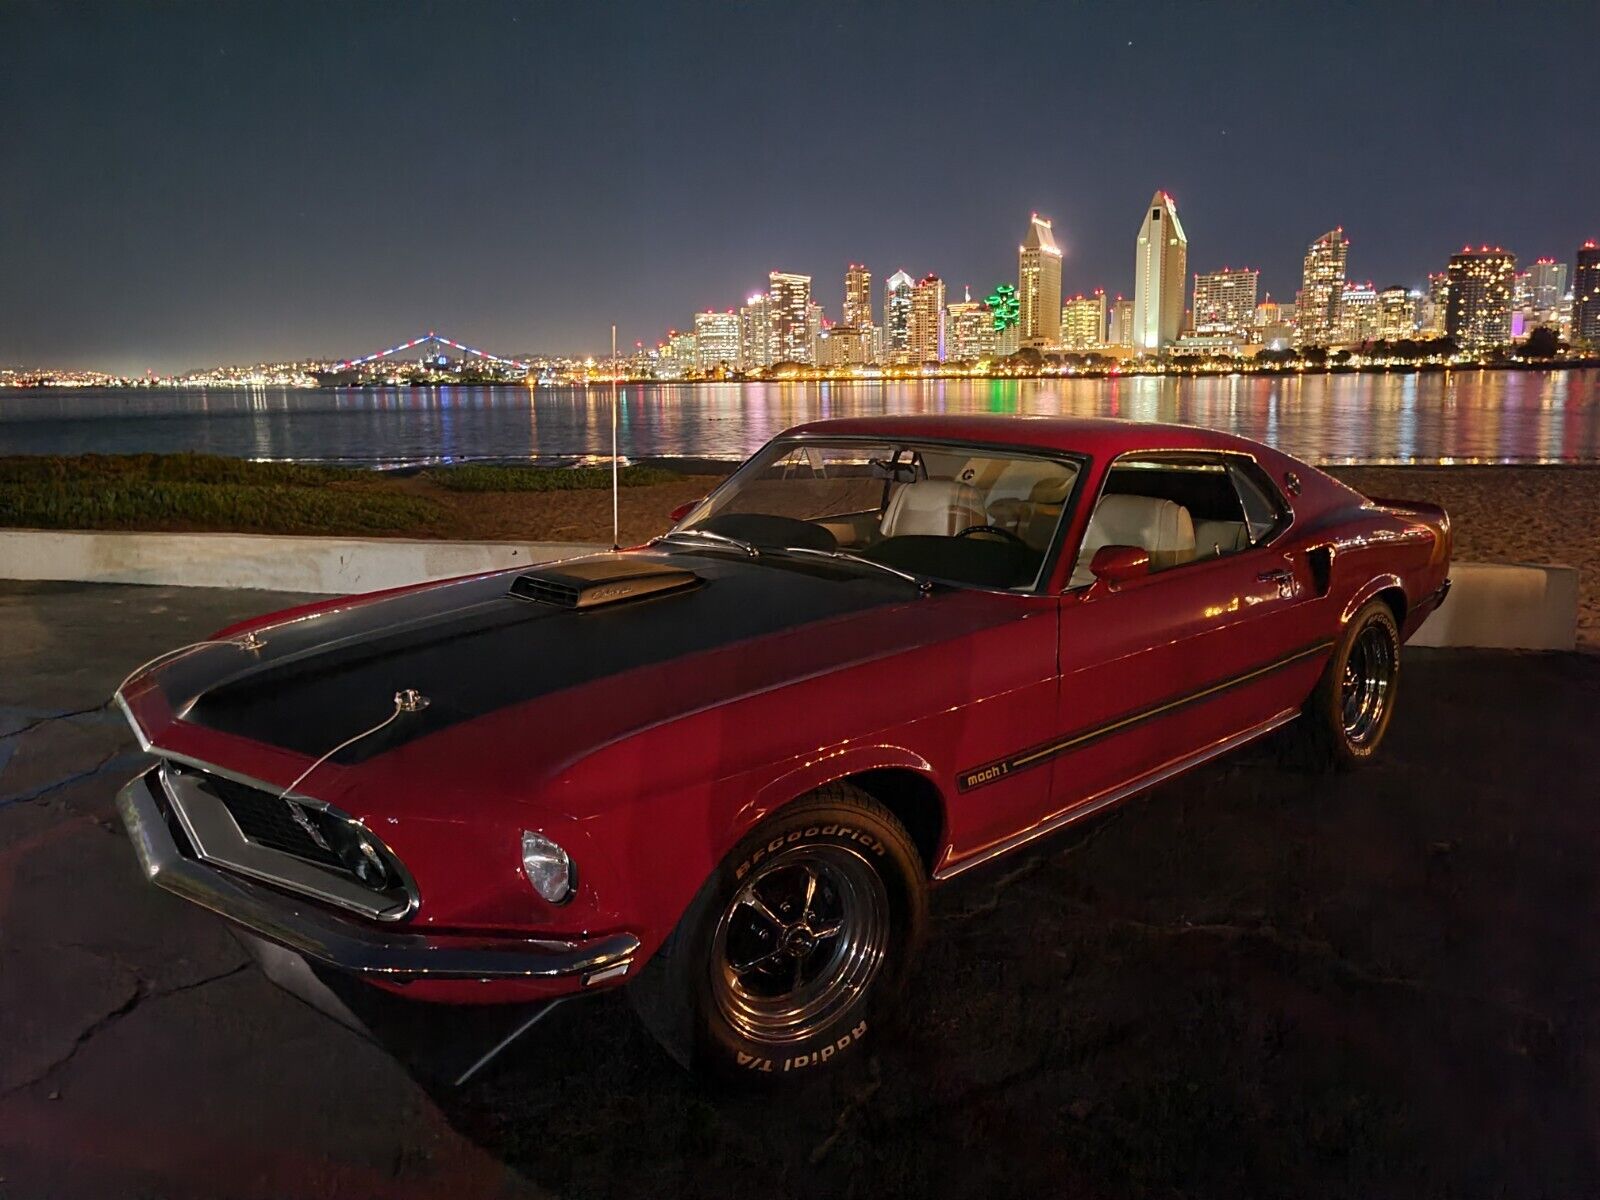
column 547, row 867
column 357, row 850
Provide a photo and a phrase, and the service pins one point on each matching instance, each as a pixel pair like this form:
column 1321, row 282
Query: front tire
column 791, row 956
column 1345, row 718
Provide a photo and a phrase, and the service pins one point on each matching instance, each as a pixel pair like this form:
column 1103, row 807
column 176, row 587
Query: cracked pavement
column 1251, row 982
column 143, row 1053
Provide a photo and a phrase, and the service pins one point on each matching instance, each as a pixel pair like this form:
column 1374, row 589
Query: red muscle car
column 724, row 769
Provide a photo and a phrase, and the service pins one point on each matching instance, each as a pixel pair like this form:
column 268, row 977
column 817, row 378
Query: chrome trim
column 1107, row 798
column 217, row 838
column 316, row 933
column 211, row 768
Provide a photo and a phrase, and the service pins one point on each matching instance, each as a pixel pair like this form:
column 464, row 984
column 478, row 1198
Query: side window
column 1265, row 512
column 1177, row 507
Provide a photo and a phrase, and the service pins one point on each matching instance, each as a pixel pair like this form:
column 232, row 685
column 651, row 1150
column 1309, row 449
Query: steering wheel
column 1004, row 534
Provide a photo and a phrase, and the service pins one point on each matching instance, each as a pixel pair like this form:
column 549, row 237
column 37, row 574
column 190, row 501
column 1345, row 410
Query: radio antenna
column 616, row 521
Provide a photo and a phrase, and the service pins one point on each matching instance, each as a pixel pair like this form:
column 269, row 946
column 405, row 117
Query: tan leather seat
column 1212, row 538
column 1034, row 519
column 939, row 507
column 1163, row 528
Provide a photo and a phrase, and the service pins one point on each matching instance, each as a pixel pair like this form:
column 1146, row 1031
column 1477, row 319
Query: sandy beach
column 1545, row 515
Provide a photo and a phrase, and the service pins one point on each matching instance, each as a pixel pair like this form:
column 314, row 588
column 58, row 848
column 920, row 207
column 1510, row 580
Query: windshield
column 966, row 515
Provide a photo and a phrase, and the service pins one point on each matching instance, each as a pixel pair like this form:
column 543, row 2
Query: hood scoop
column 605, row 579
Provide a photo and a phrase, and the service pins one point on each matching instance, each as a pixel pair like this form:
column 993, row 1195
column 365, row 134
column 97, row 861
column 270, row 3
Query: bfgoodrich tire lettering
column 791, row 956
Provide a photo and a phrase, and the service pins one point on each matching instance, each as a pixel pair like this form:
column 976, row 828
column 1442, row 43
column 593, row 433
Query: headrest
column 1160, row 526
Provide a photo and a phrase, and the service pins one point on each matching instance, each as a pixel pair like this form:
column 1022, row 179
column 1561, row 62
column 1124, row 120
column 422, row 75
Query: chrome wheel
column 1369, row 671
column 799, row 942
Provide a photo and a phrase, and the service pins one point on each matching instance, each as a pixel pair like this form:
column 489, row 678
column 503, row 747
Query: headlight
column 547, row 866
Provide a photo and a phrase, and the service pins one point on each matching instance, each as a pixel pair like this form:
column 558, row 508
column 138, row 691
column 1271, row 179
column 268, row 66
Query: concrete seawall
column 1491, row 605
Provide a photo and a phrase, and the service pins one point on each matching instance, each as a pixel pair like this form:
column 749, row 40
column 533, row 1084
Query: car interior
column 976, row 517
column 1181, row 509
column 989, row 518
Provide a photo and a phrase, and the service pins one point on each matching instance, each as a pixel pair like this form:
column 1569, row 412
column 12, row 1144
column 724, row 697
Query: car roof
column 1097, row 436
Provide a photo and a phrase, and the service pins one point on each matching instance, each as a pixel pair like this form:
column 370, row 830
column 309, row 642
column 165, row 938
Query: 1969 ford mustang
column 724, row 769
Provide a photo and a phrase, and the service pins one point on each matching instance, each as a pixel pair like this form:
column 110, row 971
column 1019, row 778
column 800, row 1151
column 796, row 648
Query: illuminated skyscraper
column 788, row 309
column 755, row 334
column 716, row 340
column 1161, row 268
column 1436, row 305
column 1358, row 314
column 1586, row 296
column 1225, row 302
column 1120, row 324
column 1397, row 314
column 1317, row 307
column 897, row 291
column 1039, row 285
column 857, row 311
column 927, row 320
column 1479, row 313
column 969, row 332
column 1083, row 322
column 1547, row 284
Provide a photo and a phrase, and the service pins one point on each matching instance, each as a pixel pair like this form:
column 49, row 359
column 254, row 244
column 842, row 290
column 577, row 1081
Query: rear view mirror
column 683, row 510
column 1117, row 564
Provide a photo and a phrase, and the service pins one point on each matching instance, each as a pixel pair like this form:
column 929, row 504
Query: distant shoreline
column 883, row 375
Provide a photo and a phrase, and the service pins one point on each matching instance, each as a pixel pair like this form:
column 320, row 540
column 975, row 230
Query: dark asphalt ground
column 1249, row 983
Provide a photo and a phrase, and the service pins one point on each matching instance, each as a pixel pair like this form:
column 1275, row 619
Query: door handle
column 1281, row 576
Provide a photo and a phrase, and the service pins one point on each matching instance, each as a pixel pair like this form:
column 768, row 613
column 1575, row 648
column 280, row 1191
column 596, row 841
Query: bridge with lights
column 432, row 338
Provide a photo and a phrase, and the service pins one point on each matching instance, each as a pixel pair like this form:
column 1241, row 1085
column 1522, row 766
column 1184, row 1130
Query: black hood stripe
column 486, row 652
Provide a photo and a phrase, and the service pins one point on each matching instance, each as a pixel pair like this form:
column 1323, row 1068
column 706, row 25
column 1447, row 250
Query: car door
column 1180, row 662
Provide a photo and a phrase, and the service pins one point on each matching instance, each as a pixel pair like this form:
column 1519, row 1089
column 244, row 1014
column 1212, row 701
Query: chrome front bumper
column 323, row 936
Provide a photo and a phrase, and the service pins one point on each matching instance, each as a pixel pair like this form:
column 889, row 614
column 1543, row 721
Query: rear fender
column 1360, row 598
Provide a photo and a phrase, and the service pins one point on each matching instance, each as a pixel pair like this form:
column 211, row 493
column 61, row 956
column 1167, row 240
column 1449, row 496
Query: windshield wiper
column 724, row 539
column 923, row 585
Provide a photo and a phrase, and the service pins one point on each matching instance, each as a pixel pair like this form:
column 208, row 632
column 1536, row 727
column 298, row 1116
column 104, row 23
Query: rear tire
column 791, row 956
column 1344, row 720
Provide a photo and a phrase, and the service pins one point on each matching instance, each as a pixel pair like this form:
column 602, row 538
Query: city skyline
column 310, row 206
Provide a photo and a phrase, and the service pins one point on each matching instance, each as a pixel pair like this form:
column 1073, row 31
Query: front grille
column 268, row 821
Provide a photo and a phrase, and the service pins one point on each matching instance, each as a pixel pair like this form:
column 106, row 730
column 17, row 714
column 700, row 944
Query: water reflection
column 1502, row 416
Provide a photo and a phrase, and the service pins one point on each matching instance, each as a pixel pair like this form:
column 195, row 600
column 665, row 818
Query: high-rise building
column 927, row 320
column 857, row 309
column 968, row 330
column 1479, row 312
column 755, row 334
column 897, row 291
column 1161, row 268
column 1321, row 296
column 1225, row 302
column 716, row 340
column 1083, row 322
column 1119, row 330
column 1436, row 305
column 1397, row 313
column 1358, row 314
column 1547, row 284
column 1005, row 312
column 1586, row 296
column 814, row 326
column 788, row 309
column 1039, row 285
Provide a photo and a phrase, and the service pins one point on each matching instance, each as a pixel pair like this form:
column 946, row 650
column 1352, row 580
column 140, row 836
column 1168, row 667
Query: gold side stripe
column 975, row 777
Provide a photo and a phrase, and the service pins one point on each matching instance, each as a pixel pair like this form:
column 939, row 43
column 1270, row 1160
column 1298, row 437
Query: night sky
column 183, row 184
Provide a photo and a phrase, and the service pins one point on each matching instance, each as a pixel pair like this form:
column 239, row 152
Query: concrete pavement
column 1252, row 982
